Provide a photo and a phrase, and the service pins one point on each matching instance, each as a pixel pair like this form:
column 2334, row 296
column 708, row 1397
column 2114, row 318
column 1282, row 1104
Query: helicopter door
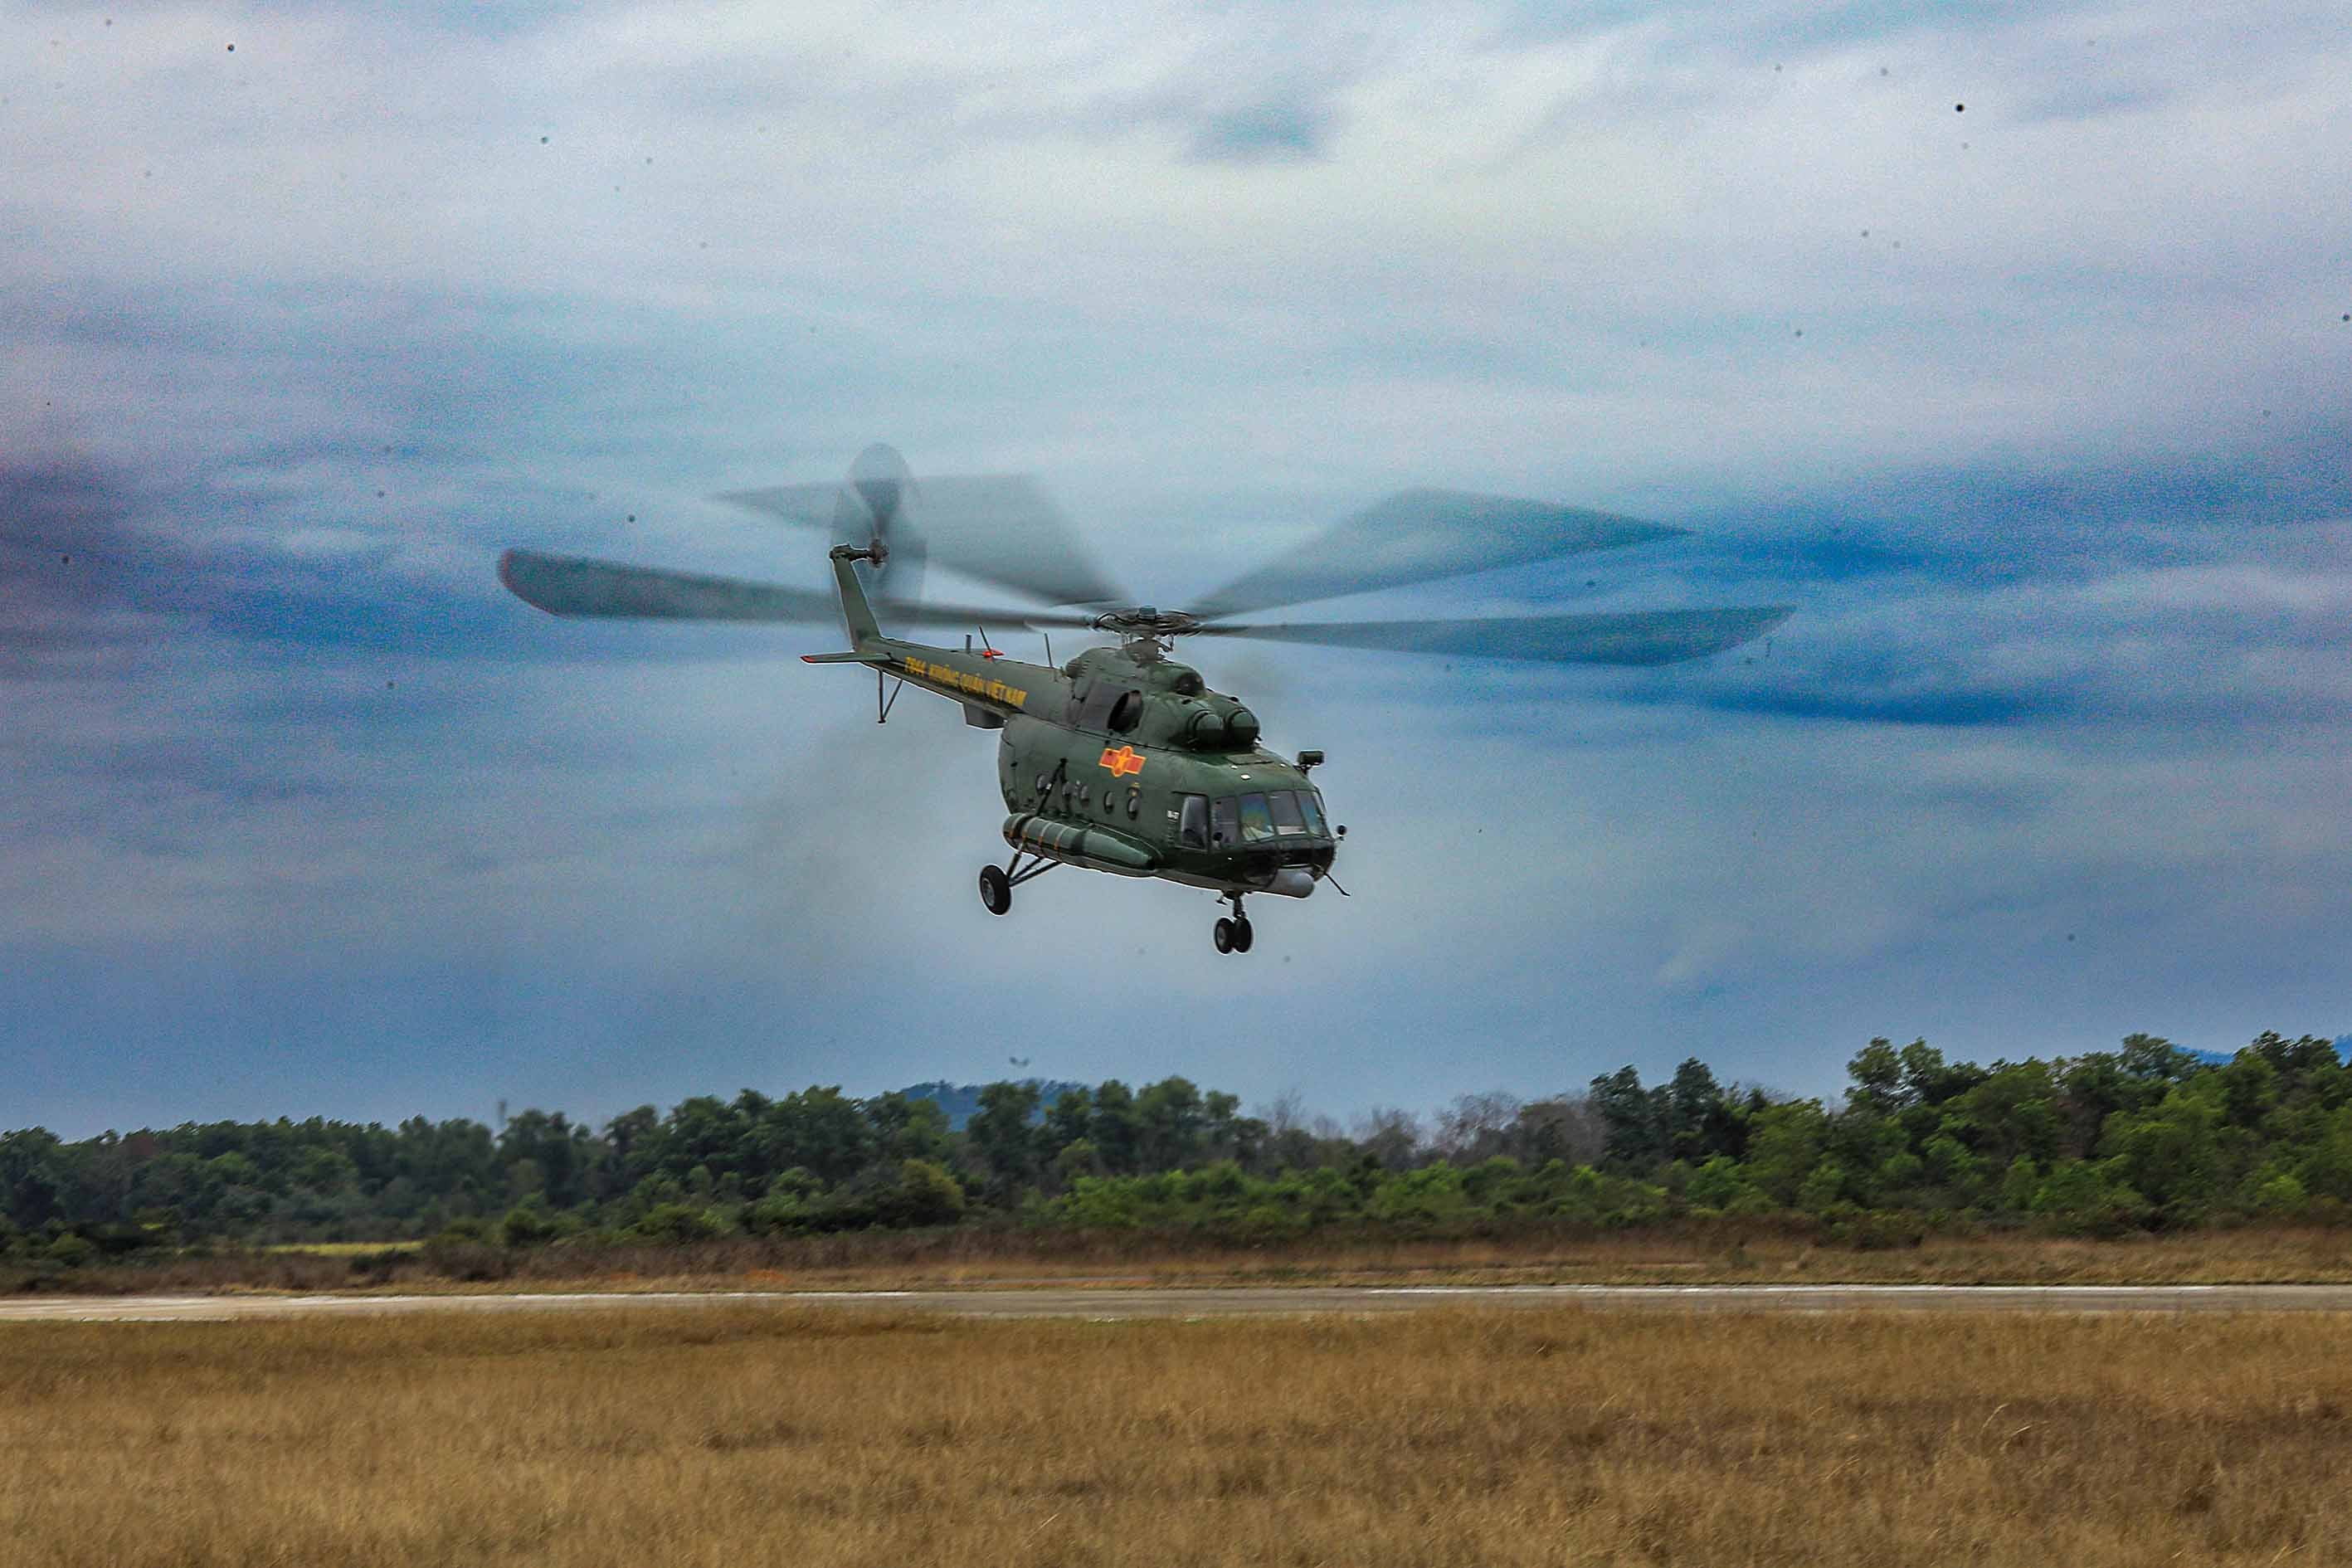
column 1224, row 823
column 1193, row 820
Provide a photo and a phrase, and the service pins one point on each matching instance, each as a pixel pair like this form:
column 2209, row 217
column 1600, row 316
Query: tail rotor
column 874, row 510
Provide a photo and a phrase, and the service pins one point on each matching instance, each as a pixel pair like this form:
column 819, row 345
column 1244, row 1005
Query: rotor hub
column 1145, row 621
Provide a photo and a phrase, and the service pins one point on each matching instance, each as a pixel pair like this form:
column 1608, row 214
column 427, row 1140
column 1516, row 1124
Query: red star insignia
column 1125, row 761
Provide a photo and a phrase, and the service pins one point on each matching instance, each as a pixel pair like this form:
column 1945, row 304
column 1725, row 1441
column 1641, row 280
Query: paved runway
column 1066, row 1301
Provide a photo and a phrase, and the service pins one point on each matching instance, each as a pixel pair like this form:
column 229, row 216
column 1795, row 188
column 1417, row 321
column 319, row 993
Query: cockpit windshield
column 1255, row 818
column 1276, row 813
column 1258, row 822
column 1285, row 806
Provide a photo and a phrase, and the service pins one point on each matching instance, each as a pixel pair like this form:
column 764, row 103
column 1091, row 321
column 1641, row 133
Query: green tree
column 1068, row 1121
column 1699, row 1121
column 908, row 1128
column 1114, row 1130
column 820, row 1129
column 1174, row 1121
column 2012, row 1111
column 1633, row 1118
column 1877, row 1074
column 1784, row 1145
column 1001, row 1134
column 2171, row 1154
column 33, row 1176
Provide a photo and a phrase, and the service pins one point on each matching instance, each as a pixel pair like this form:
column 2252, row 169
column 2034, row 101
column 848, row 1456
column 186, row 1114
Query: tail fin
column 856, row 615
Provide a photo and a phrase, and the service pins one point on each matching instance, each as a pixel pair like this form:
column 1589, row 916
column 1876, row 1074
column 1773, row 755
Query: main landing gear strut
column 1233, row 935
column 997, row 882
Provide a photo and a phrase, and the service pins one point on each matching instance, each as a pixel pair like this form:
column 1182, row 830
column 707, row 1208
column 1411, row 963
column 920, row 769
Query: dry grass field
column 741, row 1438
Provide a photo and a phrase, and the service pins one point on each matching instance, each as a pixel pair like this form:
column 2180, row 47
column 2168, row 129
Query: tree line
column 2148, row 1135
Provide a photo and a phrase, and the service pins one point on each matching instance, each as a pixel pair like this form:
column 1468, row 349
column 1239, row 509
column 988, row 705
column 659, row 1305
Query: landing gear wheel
column 1241, row 934
column 1222, row 935
column 995, row 889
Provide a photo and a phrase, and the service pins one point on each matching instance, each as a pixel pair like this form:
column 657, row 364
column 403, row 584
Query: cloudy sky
column 2009, row 343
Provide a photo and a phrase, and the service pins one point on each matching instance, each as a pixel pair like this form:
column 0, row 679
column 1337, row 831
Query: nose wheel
column 1233, row 934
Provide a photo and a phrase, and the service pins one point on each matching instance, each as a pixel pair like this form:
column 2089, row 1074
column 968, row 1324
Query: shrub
column 2281, row 1195
column 528, row 1223
column 1718, row 1183
column 778, row 1214
column 926, row 1194
column 679, row 1222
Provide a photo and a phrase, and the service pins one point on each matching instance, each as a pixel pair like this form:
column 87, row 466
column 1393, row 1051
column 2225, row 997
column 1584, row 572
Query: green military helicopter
column 1123, row 760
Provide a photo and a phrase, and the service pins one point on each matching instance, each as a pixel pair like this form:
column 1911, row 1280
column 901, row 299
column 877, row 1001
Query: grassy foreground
column 749, row 1437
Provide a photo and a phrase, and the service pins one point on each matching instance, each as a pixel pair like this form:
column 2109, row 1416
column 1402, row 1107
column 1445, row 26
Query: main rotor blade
column 1642, row 637
column 1000, row 528
column 571, row 585
column 1421, row 536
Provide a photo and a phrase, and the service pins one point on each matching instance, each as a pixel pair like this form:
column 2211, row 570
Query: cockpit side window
column 1310, row 807
column 1285, row 806
column 1193, row 820
column 1224, row 823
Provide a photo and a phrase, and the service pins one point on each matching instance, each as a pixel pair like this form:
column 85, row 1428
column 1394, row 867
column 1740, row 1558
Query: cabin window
column 1310, row 807
column 1285, row 806
column 1224, row 823
column 1193, row 820
column 1257, row 822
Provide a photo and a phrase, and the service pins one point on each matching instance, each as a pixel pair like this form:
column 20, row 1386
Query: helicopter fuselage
column 1123, row 761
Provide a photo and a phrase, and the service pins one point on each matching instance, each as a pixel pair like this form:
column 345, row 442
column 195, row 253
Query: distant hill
column 960, row 1099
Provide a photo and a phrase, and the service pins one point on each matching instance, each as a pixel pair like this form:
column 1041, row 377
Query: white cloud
column 1467, row 246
